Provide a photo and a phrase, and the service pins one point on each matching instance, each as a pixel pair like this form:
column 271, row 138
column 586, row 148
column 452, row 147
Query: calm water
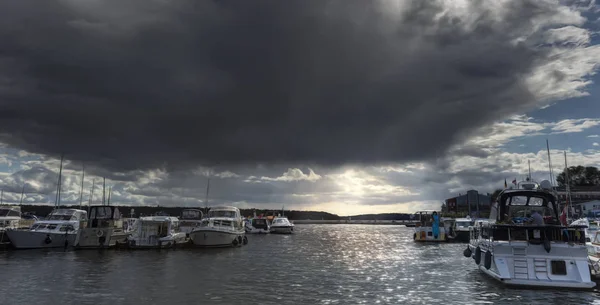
column 321, row 264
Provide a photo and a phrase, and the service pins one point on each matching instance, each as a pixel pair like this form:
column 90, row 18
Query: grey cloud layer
column 127, row 85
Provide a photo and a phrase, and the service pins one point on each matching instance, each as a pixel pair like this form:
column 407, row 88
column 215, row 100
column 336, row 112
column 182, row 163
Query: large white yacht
column 155, row 232
column 104, row 229
column 10, row 216
column 430, row 227
column 59, row 229
column 524, row 244
column 461, row 229
column 223, row 227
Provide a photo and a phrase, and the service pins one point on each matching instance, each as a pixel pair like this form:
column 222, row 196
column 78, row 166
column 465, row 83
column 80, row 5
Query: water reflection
column 321, row 264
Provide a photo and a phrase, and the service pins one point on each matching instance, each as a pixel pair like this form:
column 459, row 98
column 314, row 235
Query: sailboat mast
column 59, row 184
column 91, row 199
column 568, row 186
column 1, row 196
column 207, row 189
column 109, row 192
column 529, row 165
column 550, row 164
column 81, row 190
column 22, row 192
column 103, row 190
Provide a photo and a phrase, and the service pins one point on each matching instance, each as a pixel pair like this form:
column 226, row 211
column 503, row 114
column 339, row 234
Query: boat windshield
column 463, row 224
column 9, row 212
column 220, row 213
column 59, row 217
column 280, row 221
column 259, row 221
column 103, row 213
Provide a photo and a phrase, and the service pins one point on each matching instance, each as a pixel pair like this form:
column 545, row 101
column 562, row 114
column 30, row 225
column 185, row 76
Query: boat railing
column 532, row 234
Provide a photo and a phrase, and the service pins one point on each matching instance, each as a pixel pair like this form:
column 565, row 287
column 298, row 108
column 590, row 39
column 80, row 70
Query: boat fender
column 48, row 239
column 487, row 263
column 234, row 242
column 415, row 236
column 547, row 246
column 245, row 240
column 468, row 252
column 239, row 239
column 99, row 233
column 477, row 256
column 174, row 244
column 101, row 240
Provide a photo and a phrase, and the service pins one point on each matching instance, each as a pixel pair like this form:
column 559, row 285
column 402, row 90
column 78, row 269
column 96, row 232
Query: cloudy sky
column 346, row 106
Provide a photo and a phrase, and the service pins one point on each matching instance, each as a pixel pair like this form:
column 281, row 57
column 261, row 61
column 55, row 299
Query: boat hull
column 99, row 238
column 257, row 231
column 528, row 265
column 207, row 237
column 282, row 229
column 25, row 239
column 153, row 242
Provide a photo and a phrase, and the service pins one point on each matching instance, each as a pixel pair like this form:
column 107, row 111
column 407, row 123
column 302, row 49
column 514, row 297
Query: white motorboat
column 282, row 225
column 429, row 227
column 59, row 229
column 461, row 229
column 257, row 225
column 155, row 232
column 104, row 229
column 10, row 217
column 190, row 218
column 535, row 250
column 223, row 227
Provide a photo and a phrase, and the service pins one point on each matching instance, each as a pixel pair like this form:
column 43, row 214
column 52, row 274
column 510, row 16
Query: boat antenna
column 59, row 184
column 81, row 190
column 529, row 165
column 22, row 192
column 91, row 199
column 1, row 196
column 103, row 190
column 550, row 164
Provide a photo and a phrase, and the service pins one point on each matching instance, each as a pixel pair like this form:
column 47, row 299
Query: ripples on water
column 320, row 264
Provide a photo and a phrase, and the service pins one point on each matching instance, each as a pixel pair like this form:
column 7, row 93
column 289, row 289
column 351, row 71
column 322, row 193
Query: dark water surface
column 320, row 264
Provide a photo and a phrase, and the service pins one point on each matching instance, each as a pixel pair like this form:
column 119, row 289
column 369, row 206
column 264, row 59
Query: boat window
column 34, row 227
column 518, row 200
column 558, row 267
column 51, row 226
column 191, row 214
column 59, row 217
column 463, row 224
column 67, row 227
column 204, row 223
column 597, row 239
column 226, row 214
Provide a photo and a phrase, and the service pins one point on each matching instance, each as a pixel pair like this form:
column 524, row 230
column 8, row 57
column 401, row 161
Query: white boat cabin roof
column 159, row 219
column 225, row 208
column 66, row 214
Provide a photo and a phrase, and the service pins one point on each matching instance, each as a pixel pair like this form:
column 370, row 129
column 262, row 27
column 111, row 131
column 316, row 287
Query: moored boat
column 155, row 232
column 59, row 229
column 461, row 229
column 104, row 229
column 524, row 244
column 10, row 218
column 190, row 219
column 282, row 225
column 594, row 255
column 428, row 228
column 257, row 225
column 223, row 227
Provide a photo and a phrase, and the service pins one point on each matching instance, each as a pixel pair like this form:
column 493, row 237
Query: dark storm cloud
column 126, row 85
